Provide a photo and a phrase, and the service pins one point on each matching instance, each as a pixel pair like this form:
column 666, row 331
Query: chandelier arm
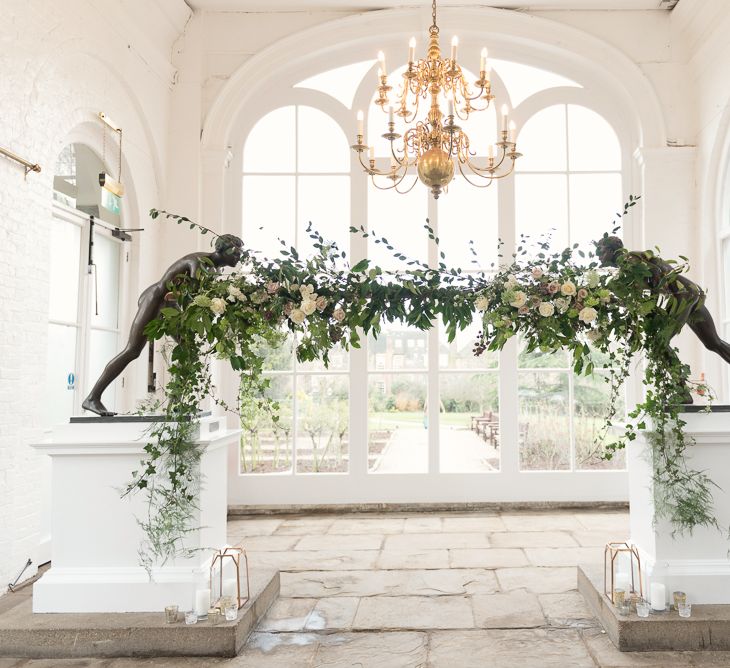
column 489, row 182
column 405, row 192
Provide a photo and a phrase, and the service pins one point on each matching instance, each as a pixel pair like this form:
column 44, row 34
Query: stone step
column 24, row 634
column 707, row 629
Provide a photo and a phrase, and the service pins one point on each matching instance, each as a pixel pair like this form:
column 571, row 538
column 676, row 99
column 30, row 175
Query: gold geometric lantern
column 228, row 570
column 612, row 577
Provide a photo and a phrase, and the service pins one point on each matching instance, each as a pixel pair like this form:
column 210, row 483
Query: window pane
column 459, row 353
column 542, row 142
column 522, row 81
column 270, row 144
column 541, row 203
column 60, row 362
column 397, row 424
column 63, row 273
column 106, row 257
column 591, row 395
column 544, row 422
column 468, row 214
column 339, row 360
column 322, row 145
column 400, row 219
column 325, row 202
column 397, row 347
column 268, row 213
column 341, row 83
column 276, row 358
column 539, row 360
column 592, row 142
column 594, row 201
column 102, row 347
column 323, row 417
column 266, row 446
column 469, row 422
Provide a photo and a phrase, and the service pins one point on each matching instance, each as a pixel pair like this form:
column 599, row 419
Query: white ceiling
column 366, row 5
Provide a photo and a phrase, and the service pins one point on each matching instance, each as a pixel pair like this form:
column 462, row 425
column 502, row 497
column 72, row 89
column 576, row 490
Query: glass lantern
column 621, row 570
column 229, row 576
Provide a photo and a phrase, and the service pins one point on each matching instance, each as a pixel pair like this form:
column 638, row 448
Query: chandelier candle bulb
column 483, row 61
column 411, row 49
column 381, row 57
column 371, row 153
column 512, row 132
column 505, row 114
column 450, row 107
column 360, row 124
column 454, row 45
column 491, row 153
column 658, row 596
column 391, row 119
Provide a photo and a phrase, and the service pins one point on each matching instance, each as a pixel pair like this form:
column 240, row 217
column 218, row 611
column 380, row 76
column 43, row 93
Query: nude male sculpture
column 228, row 252
column 696, row 315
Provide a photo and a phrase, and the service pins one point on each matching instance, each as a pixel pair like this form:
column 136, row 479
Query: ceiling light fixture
column 436, row 145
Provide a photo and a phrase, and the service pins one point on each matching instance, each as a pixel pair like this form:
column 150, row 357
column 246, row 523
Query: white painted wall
column 60, row 64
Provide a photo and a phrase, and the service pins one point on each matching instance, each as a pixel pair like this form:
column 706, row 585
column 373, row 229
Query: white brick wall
column 60, row 64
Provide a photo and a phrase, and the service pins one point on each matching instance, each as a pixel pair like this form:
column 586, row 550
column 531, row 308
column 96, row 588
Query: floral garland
column 553, row 300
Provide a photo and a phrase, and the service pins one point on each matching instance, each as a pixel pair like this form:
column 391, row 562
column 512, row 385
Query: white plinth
column 95, row 537
column 697, row 564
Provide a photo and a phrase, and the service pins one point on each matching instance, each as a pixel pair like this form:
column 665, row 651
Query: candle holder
column 228, row 569
column 611, row 556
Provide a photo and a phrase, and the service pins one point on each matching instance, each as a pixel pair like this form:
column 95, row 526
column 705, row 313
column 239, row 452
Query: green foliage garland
column 553, row 300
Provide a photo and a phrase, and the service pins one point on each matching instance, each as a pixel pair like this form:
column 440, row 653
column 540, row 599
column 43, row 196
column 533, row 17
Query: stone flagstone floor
column 425, row 590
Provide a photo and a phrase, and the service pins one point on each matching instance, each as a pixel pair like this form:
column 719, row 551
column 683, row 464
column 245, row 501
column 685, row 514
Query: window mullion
column 432, row 382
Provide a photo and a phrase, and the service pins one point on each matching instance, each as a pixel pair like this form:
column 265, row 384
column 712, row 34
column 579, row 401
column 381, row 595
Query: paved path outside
column 426, row 590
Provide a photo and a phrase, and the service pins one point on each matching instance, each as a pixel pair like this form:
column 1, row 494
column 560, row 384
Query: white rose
column 568, row 288
column 481, row 303
column 562, row 304
column 511, row 282
column 218, row 305
column 339, row 315
column 519, row 299
column 306, row 290
column 308, row 306
column 592, row 278
column 593, row 335
column 235, row 292
column 587, row 314
column 297, row 316
column 537, row 272
column 546, row 309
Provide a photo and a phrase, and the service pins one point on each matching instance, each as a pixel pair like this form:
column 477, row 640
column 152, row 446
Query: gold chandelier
column 436, row 144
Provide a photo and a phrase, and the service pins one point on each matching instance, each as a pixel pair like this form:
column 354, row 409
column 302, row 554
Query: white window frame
column 359, row 486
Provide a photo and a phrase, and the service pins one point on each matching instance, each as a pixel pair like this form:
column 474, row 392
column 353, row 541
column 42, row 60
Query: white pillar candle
column 360, row 124
column 411, row 49
column 483, row 61
column 622, row 581
column 454, row 44
column 202, row 602
column 230, row 588
column 658, row 596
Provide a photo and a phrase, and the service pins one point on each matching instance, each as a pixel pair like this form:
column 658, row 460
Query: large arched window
column 415, row 403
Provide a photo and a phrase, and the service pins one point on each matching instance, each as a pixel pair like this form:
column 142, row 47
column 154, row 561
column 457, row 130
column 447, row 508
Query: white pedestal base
column 95, row 565
column 697, row 564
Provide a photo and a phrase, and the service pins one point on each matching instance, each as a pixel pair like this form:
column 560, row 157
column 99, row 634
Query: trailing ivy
column 552, row 300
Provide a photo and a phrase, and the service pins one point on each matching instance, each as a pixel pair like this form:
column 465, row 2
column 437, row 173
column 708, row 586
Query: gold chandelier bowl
column 435, row 169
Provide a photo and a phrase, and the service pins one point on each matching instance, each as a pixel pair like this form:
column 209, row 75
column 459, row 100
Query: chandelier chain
column 434, row 27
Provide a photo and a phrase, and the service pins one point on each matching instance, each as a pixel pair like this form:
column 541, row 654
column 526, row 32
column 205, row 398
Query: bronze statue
column 228, row 252
column 696, row 315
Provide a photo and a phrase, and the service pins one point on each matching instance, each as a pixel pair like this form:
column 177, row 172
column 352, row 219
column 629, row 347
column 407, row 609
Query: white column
column 668, row 210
